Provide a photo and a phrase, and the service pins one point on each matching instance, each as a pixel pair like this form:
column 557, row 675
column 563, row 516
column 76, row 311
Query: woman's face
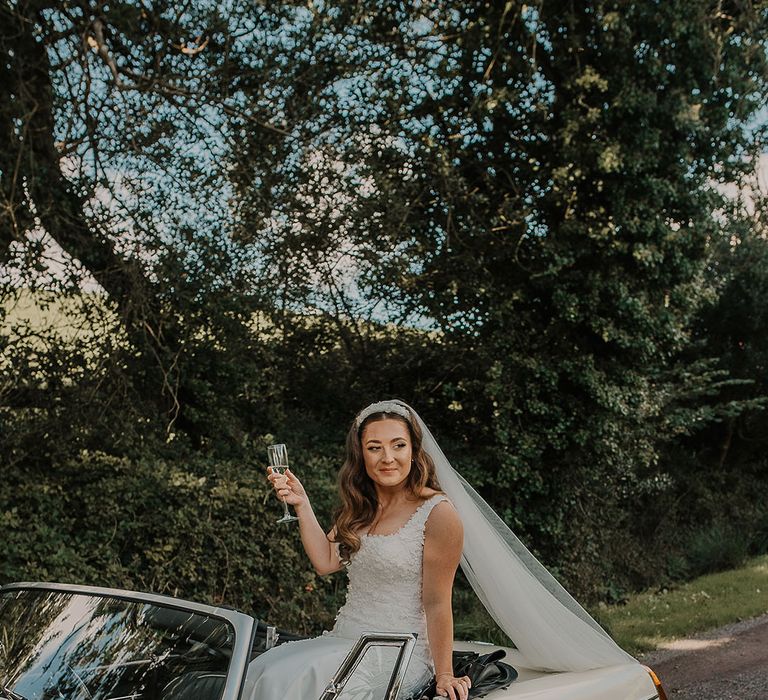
column 387, row 452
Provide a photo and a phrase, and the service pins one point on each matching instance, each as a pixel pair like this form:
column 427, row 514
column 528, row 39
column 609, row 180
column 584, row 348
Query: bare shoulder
column 443, row 523
column 443, row 538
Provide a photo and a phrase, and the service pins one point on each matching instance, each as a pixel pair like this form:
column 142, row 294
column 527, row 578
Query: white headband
column 382, row 407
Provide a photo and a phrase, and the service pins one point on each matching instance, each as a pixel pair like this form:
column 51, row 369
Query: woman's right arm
column 321, row 551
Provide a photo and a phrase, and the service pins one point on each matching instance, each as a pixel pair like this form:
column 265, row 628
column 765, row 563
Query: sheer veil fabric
column 549, row 628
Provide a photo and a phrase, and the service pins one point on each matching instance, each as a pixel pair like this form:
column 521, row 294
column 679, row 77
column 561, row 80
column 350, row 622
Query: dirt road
column 730, row 663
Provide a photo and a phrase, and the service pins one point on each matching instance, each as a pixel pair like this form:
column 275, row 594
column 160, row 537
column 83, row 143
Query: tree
column 503, row 212
column 538, row 182
column 733, row 326
column 118, row 122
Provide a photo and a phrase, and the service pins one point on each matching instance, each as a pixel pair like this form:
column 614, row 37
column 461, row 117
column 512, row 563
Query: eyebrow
column 370, row 440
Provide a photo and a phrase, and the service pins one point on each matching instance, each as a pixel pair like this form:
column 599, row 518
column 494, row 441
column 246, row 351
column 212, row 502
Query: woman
column 400, row 540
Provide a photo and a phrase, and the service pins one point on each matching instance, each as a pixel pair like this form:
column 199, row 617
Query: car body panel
column 622, row 682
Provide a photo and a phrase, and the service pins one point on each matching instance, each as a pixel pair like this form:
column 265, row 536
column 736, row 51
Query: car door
column 392, row 651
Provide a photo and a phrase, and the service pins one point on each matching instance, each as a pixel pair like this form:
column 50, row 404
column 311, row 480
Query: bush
column 717, row 548
column 200, row 529
column 678, row 567
column 760, row 539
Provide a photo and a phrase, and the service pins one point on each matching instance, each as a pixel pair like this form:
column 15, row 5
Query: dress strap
column 420, row 517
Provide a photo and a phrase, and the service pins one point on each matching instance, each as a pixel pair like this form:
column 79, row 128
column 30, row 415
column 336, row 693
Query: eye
column 374, row 448
column 401, row 445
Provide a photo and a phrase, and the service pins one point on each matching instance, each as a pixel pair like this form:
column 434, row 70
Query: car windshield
column 56, row 644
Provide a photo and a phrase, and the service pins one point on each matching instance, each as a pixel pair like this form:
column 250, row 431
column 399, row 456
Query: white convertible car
column 62, row 642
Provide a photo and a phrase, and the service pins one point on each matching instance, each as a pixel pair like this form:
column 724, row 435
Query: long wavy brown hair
column 357, row 492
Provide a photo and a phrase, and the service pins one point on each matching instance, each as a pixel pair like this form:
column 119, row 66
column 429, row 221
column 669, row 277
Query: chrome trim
column 406, row 642
column 243, row 625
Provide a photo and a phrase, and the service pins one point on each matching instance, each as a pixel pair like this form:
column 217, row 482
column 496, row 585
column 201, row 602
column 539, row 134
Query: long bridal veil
column 549, row 628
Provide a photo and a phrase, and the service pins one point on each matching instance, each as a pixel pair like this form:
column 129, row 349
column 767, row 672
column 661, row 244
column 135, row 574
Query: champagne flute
column 278, row 460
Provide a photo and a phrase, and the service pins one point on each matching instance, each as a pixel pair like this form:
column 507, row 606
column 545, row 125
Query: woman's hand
column 287, row 487
column 452, row 687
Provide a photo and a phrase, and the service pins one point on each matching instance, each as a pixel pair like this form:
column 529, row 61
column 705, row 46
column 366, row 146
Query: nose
column 388, row 456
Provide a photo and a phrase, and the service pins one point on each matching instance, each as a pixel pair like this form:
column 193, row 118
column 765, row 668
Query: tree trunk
column 33, row 162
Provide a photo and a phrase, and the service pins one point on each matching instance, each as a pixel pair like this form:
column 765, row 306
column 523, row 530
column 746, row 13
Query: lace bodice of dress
column 385, row 575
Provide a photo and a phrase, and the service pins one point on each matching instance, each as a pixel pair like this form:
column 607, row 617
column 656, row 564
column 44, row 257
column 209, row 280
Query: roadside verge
column 657, row 619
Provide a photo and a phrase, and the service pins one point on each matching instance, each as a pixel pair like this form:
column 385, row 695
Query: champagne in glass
column 278, row 460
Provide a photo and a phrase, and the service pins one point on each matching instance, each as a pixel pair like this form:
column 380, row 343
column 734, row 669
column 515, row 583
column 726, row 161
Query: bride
column 400, row 540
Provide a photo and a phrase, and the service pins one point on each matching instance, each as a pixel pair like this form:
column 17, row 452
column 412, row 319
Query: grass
column 650, row 619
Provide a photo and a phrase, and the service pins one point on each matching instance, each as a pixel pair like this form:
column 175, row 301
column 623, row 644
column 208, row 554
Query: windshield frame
column 244, row 626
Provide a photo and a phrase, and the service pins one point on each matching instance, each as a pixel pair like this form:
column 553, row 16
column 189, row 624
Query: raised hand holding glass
column 278, row 461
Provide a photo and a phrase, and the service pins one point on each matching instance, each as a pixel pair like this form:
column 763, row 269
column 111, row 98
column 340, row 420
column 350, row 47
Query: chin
column 391, row 479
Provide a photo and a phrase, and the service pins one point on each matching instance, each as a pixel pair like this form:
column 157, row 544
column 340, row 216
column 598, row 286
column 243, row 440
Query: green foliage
column 470, row 619
column 734, row 328
column 201, row 529
column 511, row 215
column 548, row 204
column 760, row 541
column 718, row 548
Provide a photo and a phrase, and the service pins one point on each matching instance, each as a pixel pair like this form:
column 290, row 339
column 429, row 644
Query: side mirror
column 367, row 642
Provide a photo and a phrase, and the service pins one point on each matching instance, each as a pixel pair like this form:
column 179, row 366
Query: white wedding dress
column 384, row 595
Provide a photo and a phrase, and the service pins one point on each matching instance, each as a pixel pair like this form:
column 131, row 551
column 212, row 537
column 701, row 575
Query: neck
column 389, row 496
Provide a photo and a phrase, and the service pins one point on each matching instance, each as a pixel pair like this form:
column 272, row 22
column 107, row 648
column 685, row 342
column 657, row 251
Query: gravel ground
column 728, row 663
